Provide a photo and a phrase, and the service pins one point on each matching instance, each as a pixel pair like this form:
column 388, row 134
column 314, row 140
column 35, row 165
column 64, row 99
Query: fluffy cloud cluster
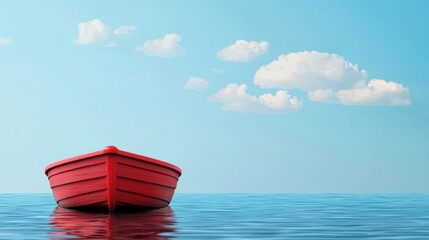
column 243, row 51
column 125, row 29
column 95, row 31
column 234, row 97
column 330, row 78
column 376, row 92
column 325, row 77
column 5, row 41
column 91, row 32
column 166, row 47
column 308, row 71
column 196, row 83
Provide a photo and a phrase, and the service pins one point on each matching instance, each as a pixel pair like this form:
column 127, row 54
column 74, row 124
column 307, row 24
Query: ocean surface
column 226, row 216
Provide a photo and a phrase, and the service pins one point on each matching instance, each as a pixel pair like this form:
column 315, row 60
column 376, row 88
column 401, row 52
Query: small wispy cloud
column 92, row 32
column 234, row 97
column 112, row 44
column 196, row 83
column 243, row 51
column 125, row 29
column 5, row 41
column 218, row 70
column 166, row 47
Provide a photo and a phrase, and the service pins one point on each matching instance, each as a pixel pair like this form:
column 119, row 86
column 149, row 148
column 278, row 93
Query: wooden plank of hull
column 84, row 200
column 144, row 175
column 146, row 165
column 78, row 175
column 129, row 199
column 147, row 189
column 76, row 165
column 79, row 188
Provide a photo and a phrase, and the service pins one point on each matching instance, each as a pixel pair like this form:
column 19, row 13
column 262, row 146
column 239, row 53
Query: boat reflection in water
column 154, row 224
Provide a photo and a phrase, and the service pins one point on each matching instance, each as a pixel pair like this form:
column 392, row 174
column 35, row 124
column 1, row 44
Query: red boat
column 112, row 179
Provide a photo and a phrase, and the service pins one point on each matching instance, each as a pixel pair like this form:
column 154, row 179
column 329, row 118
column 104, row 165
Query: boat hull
column 112, row 179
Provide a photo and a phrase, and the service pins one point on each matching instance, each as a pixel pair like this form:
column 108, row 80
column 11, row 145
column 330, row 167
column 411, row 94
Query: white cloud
column 235, row 98
column 166, row 47
column 243, row 51
column 322, row 95
column 92, row 32
column 329, row 78
column 196, row 83
column 125, row 29
column 376, row 92
column 308, row 71
column 325, row 77
column 5, row 41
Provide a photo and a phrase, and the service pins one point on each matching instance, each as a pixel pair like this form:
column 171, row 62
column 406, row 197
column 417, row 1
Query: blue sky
column 260, row 96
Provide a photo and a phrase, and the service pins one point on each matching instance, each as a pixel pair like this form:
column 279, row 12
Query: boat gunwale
column 113, row 150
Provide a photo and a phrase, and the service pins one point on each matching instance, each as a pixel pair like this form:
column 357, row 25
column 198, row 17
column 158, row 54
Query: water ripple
column 226, row 216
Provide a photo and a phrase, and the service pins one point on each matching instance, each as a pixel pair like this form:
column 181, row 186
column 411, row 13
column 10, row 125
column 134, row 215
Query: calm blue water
column 226, row 216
